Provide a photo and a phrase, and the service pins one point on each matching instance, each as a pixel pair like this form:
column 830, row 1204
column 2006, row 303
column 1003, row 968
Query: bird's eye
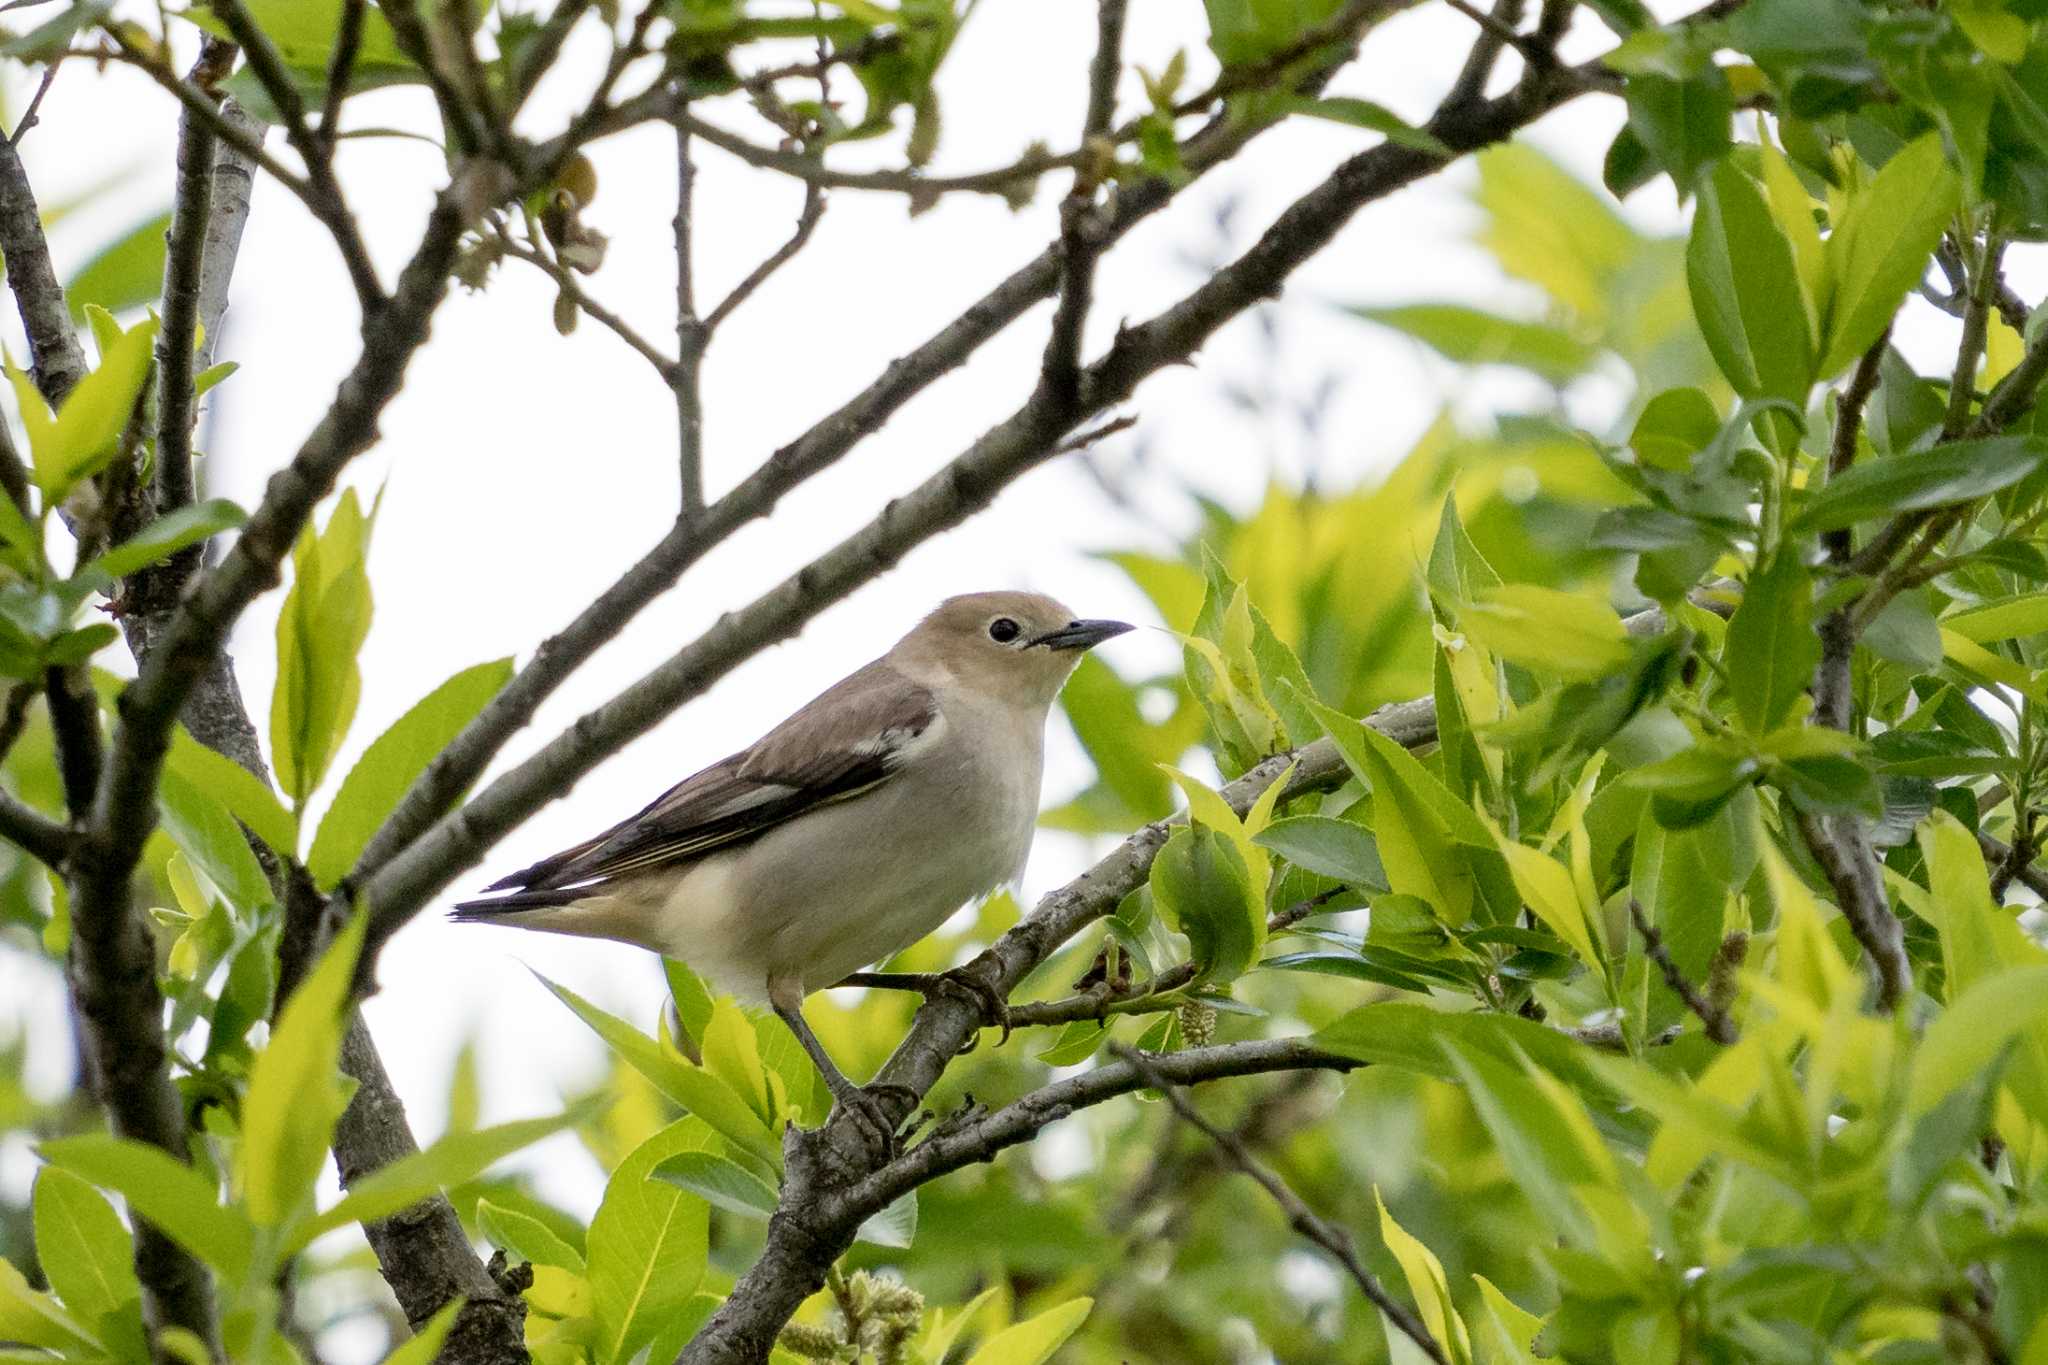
column 1003, row 630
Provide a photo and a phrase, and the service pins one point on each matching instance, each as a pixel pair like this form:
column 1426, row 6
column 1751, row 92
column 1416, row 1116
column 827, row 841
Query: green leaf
column 1472, row 336
column 1412, row 1036
column 1544, row 1144
column 1682, row 123
column 1200, row 883
column 696, row 1089
column 87, row 432
column 89, row 1259
column 647, row 1244
column 166, row 536
column 2008, row 619
column 33, row 1318
column 1955, row 472
column 1033, row 1341
column 1977, row 1025
column 526, row 1237
column 425, row 1346
column 387, row 769
column 1740, row 272
column 127, row 272
column 894, row 1226
column 1426, row 1284
column 319, row 632
column 1543, row 628
column 693, row 999
column 1377, row 118
column 1676, row 425
column 167, row 1192
column 1880, row 250
column 247, row 797
column 720, row 1182
column 295, row 1092
column 1328, row 848
column 1507, row 1335
column 201, row 826
column 1078, row 1041
column 1772, row 647
column 456, row 1159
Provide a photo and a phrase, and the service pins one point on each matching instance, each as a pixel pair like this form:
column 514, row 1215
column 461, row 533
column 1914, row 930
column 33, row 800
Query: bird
column 842, row 836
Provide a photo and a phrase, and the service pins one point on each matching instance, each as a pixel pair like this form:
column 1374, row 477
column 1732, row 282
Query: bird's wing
column 846, row 742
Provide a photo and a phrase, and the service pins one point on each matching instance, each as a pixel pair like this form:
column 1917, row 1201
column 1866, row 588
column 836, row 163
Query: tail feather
column 499, row 907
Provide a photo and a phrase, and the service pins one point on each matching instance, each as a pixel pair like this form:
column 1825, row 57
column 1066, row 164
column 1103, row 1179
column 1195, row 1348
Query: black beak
column 1081, row 634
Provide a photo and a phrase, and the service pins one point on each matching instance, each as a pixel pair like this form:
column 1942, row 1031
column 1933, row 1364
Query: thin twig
column 33, row 832
column 1060, row 371
column 1719, row 1026
column 565, row 279
column 1962, row 386
column 806, row 223
column 1841, row 543
column 324, row 197
column 341, row 65
column 32, row 115
column 75, row 720
column 686, row 379
column 2026, row 874
column 191, row 216
column 1300, row 1217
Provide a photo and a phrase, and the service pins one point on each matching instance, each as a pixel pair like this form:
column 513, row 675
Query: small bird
column 844, row 835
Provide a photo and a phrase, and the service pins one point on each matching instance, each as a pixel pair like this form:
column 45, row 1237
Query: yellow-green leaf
column 1033, row 1341
column 295, row 1092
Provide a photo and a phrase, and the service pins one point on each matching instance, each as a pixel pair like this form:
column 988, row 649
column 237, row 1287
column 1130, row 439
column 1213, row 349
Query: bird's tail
column 502, row 907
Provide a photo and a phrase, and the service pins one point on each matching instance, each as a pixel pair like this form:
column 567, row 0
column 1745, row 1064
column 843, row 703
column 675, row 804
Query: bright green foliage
column 321, row 627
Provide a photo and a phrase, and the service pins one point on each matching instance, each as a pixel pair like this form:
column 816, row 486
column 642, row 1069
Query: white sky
column 524, row 471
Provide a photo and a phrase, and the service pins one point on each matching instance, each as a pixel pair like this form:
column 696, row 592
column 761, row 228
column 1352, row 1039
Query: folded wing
column 847, row 742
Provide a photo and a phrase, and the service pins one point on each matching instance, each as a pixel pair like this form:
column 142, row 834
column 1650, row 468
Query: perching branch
column 806, row 223
column 1331, row 1238
column 1060, row 371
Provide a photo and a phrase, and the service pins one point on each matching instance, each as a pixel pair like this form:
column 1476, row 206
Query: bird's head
column 1015, row 645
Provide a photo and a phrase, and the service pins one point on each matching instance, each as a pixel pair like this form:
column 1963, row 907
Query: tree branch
column 806, row 222
column 324, row 197
column 686, row 377
column 1060, row 373
column 56, row 359
column 1718, row 1025
column 191, row 220
column 1300, row 1217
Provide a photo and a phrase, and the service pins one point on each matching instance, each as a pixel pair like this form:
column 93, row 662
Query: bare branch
column 1848, row 426
column 1060, row 372
column 33, row 832
column 2026, row 874
column 686, row 379
column 341, row 63
column 1300, row 1217
column 324, row 197
column 565, row 279
column 806, row 223
column 56, row 359
column 75, row 719
column 191, row 219
column 1718, row 1025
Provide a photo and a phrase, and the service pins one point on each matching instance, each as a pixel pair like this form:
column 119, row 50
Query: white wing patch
column 900, row 745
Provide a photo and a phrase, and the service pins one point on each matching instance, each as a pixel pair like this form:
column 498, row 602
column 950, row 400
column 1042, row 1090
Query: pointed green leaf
column 393, row 761
column 170, row 1194
column 1033, row 1341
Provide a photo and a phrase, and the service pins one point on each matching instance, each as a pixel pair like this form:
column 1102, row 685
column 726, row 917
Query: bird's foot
column 868, row 1108
column 959, row 983
column 995, row 1011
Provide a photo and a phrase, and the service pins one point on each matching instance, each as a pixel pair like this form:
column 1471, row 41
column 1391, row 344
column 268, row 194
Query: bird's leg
column 995, row 1011
column 867, row 1108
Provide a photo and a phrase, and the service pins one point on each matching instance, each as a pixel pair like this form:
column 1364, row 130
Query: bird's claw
column 870, row 1112
column 995, row 1011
